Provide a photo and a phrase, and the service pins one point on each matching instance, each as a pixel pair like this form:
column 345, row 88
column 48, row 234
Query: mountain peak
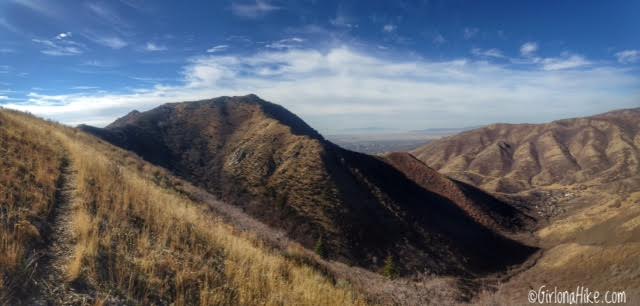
column 225, row 105
column 265, row 159
column 130, row 117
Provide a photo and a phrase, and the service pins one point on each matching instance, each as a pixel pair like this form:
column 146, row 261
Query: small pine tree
column 389, row 270
column 321, row 248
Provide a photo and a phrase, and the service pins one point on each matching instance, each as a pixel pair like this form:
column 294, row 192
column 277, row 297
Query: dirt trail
column 49, row 279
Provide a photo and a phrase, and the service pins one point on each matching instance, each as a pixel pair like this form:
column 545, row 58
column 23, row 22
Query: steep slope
column 83, row 222
column 581, row 175
column 30, row 167
column 266, row 160
column 482, row 207
column 601, row 150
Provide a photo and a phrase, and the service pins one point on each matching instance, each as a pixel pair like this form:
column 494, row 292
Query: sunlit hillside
column 84, row 222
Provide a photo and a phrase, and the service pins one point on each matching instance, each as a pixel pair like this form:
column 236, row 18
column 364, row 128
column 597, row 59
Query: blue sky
column 340, row 65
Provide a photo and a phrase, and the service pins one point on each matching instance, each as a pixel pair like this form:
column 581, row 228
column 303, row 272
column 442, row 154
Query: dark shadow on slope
column 427, row 220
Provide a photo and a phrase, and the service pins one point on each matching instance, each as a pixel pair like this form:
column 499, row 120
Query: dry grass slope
column 597, row 247
column 30, row 163
column 136, row 242
column 601, row 151
column 580, row 176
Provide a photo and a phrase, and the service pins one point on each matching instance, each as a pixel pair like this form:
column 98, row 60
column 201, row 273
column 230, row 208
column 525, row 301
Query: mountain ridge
column 599, row 149
column 261, row 157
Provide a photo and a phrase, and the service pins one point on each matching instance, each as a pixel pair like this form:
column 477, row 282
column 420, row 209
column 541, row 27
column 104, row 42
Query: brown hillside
column 84, row 223
column 266, row 160
column 479, row 205
column 592, row 151
column 580, row 175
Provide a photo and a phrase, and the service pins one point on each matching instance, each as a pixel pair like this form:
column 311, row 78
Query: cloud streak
column 628, row 56
column 152, row 47
column 286, row 43
column 106, row 14
column 218, row 48
column 388, row 28
column 493, row 52
column 113, row 42
column 567, row 61
column 9, row 26
column 343, row 88
column 60, row 45
column 528, row 48
column 42, row 7
column 256, row 9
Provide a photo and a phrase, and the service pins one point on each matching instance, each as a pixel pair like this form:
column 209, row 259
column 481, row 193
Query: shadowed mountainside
column 264, row 159
column 592, row 151
column 479, row 205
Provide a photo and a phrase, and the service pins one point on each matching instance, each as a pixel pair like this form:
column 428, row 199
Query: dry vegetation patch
column 30, row 161
column 596, row 247
column 135, row 242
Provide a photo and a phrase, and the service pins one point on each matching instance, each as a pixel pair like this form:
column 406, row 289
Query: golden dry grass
column 145, row 244
column 597, row 247
column 29, row 168
column 615, row 216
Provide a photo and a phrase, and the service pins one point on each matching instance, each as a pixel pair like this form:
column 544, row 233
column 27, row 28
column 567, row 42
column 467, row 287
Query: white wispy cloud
column 252, row 9
column 566, row 61
column 64, row 35
column 366, row 89
column 42, row 7
column 218, row 48
column 108, row 16
column 4, row 98
column 9, row 26
column 155, row 47
column 113, row 42
column 239, row 39
column 148, row 79
column 286, row 43
column 389, row 28
column 85, row 87
column 438, row 39
column 343, row 20
column 493, row 52
column 469, row 33
column 135, row 4
column 528, row 48
column 98, row 64
column 628, row 56
column 60, row 45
